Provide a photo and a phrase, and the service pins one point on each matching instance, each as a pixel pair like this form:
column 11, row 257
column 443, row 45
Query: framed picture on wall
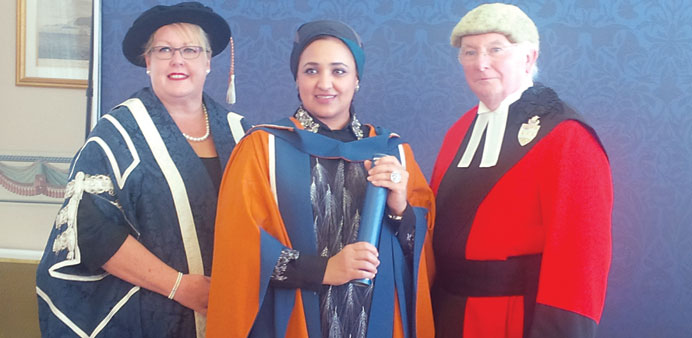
column 53, row 43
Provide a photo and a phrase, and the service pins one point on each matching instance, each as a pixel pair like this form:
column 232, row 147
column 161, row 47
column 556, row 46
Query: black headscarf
column 310, row 31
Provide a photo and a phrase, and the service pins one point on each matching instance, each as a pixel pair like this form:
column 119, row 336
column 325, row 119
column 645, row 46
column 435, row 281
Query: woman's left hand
column 384, row 174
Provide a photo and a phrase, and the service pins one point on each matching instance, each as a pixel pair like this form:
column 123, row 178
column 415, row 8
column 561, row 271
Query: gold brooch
column 528, row 131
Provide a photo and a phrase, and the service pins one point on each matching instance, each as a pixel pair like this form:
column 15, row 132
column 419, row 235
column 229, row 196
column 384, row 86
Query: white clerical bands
column 395, row 177
column 175, row 286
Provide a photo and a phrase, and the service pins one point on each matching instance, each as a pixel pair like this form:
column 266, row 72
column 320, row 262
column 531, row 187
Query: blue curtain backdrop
column 624, row 64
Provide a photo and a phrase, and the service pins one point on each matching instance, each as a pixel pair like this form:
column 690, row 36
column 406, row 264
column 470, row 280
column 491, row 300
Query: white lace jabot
column 494, row 122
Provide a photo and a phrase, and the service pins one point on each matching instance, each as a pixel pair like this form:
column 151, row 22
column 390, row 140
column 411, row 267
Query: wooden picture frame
column 53, row 43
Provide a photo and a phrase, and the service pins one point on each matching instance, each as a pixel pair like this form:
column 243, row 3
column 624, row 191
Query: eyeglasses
column 167, row 52
column 467, row 55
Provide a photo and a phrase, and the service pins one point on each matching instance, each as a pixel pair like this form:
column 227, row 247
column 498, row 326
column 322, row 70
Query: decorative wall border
column 33, row 179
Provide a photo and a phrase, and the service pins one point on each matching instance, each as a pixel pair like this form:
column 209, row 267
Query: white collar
column 494, row 122
column 504, row 105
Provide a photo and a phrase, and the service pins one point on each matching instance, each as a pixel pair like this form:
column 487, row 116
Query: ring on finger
column 395, row 177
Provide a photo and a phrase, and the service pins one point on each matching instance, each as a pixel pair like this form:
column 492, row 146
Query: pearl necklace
column 206, row 122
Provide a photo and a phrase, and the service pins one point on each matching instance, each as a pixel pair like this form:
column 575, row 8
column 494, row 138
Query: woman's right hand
column 193, row 293
column 355, row 261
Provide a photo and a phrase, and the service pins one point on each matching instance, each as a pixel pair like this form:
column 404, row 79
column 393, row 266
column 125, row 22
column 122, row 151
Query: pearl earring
column 208, row 70
column 148, row 72
column 357, row 87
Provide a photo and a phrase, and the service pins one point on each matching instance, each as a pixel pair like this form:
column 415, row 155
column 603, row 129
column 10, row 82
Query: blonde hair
column 191, row 33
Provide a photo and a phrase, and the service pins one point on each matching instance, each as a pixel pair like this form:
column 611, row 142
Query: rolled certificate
column 371, row 216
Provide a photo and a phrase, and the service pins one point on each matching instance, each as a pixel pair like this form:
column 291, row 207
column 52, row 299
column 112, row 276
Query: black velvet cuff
column 306, row 272
column 550, row 321
column 98, row 237
column 405, row 230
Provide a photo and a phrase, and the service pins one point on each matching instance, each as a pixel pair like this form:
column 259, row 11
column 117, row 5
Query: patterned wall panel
column 624, row 64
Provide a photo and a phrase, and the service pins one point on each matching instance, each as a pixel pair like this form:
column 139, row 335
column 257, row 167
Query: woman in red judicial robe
column 523, row 190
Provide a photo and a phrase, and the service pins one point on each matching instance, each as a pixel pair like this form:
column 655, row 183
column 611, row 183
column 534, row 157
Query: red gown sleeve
column 576, row 197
